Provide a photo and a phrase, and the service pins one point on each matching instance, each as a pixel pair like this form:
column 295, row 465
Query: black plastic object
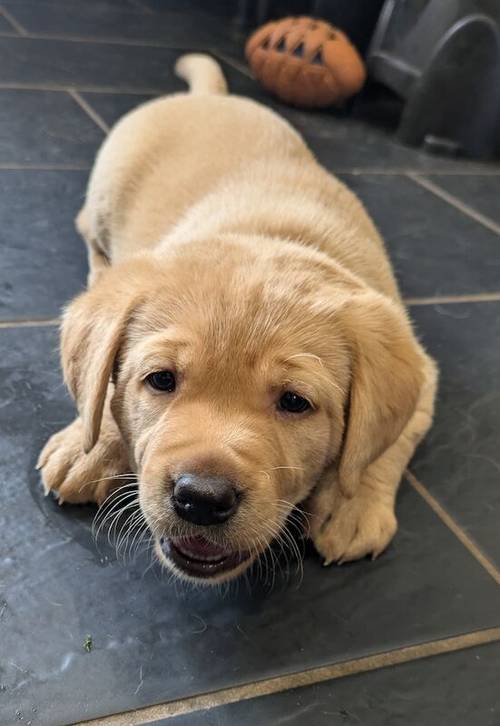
column 443, row 58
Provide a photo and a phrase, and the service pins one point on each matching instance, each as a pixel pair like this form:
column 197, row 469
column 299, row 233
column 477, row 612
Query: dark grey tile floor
column 45, row 128
column 153, row 641
column 378, row 699
column 5, row 26
column 101, row 20
column 439, row 687
column 42, row 259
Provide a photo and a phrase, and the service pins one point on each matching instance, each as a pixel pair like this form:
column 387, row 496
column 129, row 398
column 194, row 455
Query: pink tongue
column 201, row 547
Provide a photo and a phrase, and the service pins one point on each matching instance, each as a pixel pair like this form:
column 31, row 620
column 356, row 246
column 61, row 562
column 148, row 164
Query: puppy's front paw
column 77, row 477
column 353, row 528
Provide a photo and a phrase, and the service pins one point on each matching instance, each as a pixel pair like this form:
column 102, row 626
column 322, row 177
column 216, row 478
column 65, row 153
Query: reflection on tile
column 430, row 691
column 42, row 259
column 154, row 640
column 459, row 461
column 435, row 248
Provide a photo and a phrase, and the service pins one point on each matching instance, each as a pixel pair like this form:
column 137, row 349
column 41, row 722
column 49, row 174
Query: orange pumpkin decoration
column 305, row 62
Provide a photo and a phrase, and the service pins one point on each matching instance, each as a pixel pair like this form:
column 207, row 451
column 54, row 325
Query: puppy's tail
column 202, row 73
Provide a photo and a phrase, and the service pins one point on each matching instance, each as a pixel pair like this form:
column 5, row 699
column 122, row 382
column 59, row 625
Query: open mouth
column 198, row 557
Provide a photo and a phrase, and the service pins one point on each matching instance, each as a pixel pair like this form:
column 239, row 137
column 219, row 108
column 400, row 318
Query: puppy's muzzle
column 204, row 500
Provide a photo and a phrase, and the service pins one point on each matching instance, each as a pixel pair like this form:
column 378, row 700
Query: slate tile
column 456, row 689
column 435, row 248
column 459, row 460
column 43, row 127
column 62, row 63
column 482, row 192
column 93, row 20
column 42, row 259
column 6, row 27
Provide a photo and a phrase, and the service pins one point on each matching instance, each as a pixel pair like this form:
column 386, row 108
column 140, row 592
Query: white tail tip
column 202, row 73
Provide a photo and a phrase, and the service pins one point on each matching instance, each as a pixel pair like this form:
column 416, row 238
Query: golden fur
column 219, row 248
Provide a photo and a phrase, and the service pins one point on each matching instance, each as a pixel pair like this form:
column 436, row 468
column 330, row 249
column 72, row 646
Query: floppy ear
column 386, row 377
column 93, row 328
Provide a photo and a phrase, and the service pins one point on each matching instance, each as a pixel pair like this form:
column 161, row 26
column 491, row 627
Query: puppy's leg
column 77, row 477
column 347, row 529
column 98, row 259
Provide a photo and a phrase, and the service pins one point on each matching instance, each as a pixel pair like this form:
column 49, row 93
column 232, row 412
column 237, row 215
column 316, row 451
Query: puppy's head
column 237, row 377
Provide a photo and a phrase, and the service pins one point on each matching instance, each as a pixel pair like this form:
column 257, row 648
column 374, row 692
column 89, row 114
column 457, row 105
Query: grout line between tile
column 12, row 20
column 455, row 202
column 355, row 171
column 104, row 41
column 490, row 170
column 297, row 680
column 453, row 299
column 449, row 521
column 87, row 108
column 63, row 88
column 42, row 323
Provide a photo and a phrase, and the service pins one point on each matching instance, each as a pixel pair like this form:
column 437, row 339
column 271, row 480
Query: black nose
column 204, row 500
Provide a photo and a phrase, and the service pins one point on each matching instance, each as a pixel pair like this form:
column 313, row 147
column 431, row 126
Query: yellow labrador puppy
column 242, row 346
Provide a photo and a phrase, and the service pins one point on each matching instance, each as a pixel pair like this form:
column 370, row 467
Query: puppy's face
column 231, row 388
column 231, row 411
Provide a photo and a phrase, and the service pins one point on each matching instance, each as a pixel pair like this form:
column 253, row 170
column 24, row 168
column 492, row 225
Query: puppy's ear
column 386, row 377
column 93, row 328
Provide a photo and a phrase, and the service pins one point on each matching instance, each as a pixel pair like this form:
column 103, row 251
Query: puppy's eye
column 293, row 403
column 162, row 381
